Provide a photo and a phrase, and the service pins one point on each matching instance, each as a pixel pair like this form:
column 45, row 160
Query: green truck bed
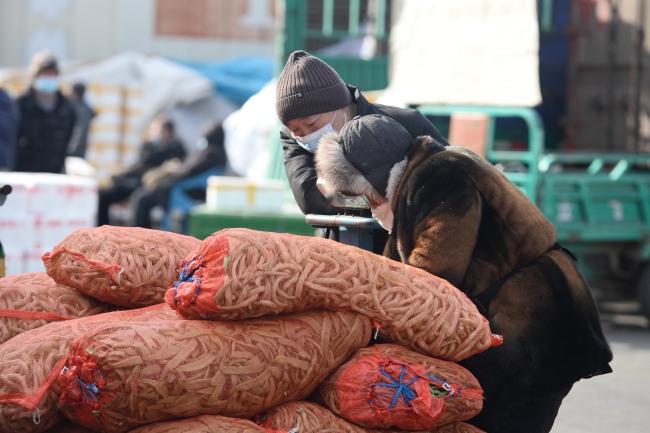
column 599, row 203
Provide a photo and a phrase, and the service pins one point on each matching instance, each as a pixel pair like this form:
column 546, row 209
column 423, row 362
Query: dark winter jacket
column 299, row 163
column 8, row 131
column 458, row 217
column 152, row 155
column 213, row 155
column 43, row 136
column 79, row 140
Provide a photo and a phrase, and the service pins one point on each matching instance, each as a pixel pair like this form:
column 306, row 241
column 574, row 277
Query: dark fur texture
column 457, row 217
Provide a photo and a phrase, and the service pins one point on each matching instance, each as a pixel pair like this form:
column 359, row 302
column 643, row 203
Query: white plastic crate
column 238, row 194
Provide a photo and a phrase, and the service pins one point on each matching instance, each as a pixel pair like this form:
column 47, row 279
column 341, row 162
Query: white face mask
column 384, row 216
column 310, row 141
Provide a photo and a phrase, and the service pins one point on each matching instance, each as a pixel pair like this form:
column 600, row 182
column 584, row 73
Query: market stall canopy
column 128, row 91
column 236, row 79
column 162, row 83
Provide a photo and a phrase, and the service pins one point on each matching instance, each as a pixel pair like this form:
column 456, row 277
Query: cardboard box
column 50, row 229
column 40, row 212
column 63, row 194
column 47, row 192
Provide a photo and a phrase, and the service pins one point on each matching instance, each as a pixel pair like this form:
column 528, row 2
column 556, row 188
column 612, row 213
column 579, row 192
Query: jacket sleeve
column 301, row 172
column 437, row 219
column 195, row 164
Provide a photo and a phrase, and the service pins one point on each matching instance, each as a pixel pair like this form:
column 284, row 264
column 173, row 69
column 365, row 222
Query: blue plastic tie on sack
column 187, row 276
column 88, row 390
column 401, row 388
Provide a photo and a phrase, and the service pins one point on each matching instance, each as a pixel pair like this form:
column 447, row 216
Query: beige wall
column 89, row 30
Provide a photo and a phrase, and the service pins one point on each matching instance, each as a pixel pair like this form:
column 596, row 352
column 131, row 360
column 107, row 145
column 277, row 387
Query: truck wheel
column 643, row 290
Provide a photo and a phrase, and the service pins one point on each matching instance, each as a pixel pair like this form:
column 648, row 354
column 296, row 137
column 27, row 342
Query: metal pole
column 611, row 56
column 639, row 74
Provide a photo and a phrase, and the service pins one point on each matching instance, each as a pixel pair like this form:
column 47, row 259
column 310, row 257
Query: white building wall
column 91, row 30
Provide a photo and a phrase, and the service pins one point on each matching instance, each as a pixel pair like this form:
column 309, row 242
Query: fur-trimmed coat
column 457, row 217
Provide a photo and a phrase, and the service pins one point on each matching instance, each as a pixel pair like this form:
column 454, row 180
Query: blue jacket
column 8, row 131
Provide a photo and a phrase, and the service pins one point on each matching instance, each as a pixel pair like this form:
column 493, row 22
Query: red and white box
column 40, row 212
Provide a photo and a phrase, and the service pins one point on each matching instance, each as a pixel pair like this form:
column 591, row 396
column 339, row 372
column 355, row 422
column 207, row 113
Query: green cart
column 599, row 203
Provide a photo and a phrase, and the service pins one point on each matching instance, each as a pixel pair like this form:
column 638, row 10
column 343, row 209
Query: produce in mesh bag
column 32, row 360
column 240, row 273
column 386, row 385
column 307, row 417
column 203, row 424
column 125, row 375
column 126, row 266
column 30, row 300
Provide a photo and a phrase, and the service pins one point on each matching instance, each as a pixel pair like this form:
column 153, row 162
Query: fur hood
column 367, row 158
column 341, row 176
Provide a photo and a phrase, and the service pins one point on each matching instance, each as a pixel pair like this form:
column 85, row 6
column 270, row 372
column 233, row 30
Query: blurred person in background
column 47, row 119
column 158, row 182
column 84, row 113
column 164, row 146
column 8, row 130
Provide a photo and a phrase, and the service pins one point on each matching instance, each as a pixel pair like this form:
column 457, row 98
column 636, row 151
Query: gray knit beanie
column 308, row 86
column 373, row 144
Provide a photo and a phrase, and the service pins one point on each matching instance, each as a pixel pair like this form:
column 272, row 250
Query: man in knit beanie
column 312, row 100
column 309, row 86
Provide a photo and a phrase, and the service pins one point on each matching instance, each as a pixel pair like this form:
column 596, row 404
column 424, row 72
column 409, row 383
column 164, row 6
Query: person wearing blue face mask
column 311, row 101
column 47, row 119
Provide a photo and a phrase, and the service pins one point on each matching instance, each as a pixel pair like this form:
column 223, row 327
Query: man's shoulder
column 63, row 103
column 366, row 107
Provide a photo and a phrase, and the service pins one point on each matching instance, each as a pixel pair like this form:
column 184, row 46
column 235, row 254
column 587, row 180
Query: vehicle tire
column 643, row 290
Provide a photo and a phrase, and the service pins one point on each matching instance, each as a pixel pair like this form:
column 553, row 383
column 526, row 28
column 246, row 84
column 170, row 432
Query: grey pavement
column 616, row 402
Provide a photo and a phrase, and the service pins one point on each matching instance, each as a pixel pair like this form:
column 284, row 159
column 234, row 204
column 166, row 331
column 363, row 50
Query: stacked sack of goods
column 137, row 330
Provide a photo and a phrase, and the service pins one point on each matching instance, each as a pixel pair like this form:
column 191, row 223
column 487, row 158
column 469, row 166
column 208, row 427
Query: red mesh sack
column 386, row 385
column 307, row 417
column 32, row 360
column 125, row 375
column 240, row 273
column 203, row 424
column 126, row 266
column 30, row 300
